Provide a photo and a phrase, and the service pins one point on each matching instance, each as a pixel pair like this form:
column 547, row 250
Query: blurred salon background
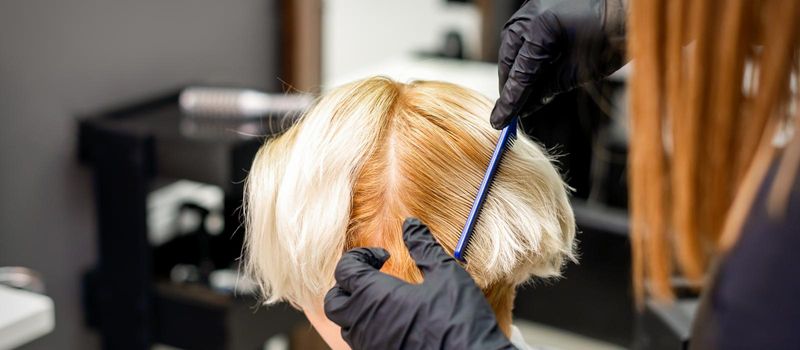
column 125, row 138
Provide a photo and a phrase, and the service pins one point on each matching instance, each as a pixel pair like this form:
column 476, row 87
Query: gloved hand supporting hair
column 377, row 311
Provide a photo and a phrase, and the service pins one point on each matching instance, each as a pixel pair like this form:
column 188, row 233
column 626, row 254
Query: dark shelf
column 131, row 151
column 216, row 151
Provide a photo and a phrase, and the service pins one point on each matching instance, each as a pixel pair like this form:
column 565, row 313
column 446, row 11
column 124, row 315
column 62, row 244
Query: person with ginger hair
column 370, row 154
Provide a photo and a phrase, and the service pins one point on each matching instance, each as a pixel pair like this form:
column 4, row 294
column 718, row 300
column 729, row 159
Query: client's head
column 375, row 151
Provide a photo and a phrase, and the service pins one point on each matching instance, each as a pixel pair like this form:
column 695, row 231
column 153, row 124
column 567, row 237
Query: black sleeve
column 754, row 302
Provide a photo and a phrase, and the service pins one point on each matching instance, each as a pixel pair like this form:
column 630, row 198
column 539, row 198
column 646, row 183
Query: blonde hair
column 703, row 119
column 374, row 152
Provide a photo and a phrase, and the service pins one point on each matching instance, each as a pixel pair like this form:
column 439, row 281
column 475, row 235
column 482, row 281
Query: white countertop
column 24, row 316
column 479, row 76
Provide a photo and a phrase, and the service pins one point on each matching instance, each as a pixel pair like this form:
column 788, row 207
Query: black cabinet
column 133, row 151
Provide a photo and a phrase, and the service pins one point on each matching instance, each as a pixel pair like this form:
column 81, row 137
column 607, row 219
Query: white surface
column 24, row 316
column 479, row 76
column 358, row 33
column 542, row 337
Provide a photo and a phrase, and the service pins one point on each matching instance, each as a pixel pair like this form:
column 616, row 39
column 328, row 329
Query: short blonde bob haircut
column 375, row 151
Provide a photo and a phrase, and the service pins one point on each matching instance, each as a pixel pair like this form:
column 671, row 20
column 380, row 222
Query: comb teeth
column 507, row 136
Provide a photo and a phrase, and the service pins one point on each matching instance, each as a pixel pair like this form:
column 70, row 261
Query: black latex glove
column 545, row 51
column 378, row 311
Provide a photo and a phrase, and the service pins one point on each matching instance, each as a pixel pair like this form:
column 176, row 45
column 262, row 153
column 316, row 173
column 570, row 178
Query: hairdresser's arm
column 378, row 311
column 548, row 49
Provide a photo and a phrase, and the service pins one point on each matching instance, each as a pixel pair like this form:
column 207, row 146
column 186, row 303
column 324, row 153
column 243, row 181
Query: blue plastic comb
column 508, row 134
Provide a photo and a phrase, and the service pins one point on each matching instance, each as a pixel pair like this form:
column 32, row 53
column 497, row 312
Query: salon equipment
column 506, row 140
column 133, row 151
column 242, row 103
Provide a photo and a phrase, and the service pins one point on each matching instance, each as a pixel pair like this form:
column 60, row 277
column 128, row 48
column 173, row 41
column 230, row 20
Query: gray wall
column 61, row 58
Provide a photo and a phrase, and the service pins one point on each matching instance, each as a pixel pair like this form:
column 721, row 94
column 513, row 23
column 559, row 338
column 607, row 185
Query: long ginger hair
column 713, row 83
